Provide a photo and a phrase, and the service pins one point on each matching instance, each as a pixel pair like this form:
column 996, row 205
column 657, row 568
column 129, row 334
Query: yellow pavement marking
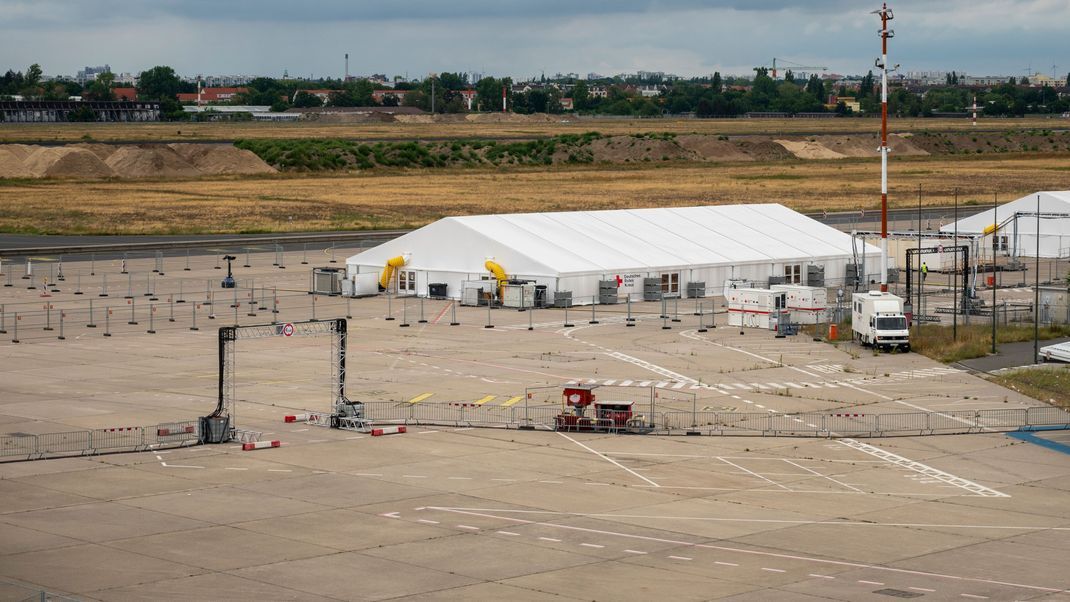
column 512, row 401
column 420, row 397
column 484, row 400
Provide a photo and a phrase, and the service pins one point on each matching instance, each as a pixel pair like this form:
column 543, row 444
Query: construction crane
column 791, row 64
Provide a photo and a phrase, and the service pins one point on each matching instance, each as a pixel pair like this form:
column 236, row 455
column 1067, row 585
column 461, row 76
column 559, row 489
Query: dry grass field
column 515, row 128
column 410, row 198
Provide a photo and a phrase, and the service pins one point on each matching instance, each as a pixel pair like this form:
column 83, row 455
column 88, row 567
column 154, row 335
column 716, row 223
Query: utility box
column 893, row 275
column 805, row 304
column 696, row 290
column 518, row 295
column 607, row 292
column 327, row 281
column 562, row 298
column 777, row 280
column 755, row 307
column 364, row 284
column 651, row 289
column 437, row 290
column 474, row 292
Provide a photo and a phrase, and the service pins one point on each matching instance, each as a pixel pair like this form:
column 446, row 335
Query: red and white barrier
column 848, row 415
column 295, row 418
column 260, row 445
column 169, row 432
column 388, row 430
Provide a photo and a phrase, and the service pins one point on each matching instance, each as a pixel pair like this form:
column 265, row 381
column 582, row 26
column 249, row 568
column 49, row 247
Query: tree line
column 704, row 96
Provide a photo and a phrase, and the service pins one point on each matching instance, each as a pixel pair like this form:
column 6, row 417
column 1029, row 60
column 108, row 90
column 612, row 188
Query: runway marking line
column 485, row 399
column 512, row 401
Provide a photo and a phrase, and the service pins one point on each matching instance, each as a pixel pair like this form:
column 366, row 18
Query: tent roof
column 582, row 242
column 1050, row 202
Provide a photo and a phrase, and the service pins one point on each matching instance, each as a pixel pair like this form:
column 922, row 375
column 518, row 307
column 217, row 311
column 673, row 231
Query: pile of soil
column 221, row 159
column 805, row 149
column 713, row 148
column 630, row 149
column 93, row 161
column 66, row 162
column 150, row 161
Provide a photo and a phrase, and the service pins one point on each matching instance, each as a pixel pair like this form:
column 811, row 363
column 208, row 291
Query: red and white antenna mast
column 974, row 108
column 882, row 64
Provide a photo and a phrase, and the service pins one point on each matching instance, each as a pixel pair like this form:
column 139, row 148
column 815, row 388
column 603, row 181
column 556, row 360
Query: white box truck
column 806, row 304
column 755, row 307
column 877, row 319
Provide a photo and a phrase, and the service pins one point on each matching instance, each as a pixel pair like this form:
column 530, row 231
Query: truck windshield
column 897, row 323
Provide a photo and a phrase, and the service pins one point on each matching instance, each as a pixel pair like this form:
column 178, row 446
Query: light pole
column 882, row 63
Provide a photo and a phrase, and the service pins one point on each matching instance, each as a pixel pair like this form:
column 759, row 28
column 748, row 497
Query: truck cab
column 877, row 319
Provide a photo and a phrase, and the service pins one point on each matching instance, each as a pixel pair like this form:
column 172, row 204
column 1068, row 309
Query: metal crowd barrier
column 88, row 442
column 814, row 424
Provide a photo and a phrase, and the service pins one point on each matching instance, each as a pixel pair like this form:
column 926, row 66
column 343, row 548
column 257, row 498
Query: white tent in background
column 1018, row 225
column 574, row 251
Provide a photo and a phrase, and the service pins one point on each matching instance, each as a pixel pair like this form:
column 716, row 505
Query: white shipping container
column 806, row 304
column 754, row 307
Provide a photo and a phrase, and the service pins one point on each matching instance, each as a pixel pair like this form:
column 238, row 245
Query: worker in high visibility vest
column 924, row 271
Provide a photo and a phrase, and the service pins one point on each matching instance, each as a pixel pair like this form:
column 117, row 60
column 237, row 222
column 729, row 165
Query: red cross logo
column 619, row 281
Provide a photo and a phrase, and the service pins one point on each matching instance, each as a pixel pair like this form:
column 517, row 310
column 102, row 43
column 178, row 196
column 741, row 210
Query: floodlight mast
column 885, row 33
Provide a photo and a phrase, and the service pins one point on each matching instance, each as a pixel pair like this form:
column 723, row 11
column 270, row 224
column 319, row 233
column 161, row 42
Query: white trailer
column 877, row 319
column 364, row 284
column 806, row 304
column 755, row 307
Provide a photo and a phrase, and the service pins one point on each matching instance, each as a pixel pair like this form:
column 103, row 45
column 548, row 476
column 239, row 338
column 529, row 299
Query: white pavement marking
column 608, row 459
column 771, row 570
column 550, row 539
column 821, row 576
column 751, row 472
column 468, row 527
column 724, row 563
column 870, row 582
column 509, row 533
column 680, row 558
column 923, row 469
column 592, row 545
column 634, row 552
column 922, row 589
column 810, row 470
column 827, row 523
column 427, row 522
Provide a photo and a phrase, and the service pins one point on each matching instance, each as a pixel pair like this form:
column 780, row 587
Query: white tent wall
column 572, row 251
column 1018, row 238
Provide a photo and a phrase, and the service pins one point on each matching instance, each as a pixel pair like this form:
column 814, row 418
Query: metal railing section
column 79, row 443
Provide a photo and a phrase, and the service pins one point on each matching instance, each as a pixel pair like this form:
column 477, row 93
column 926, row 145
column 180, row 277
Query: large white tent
column 1018, row 225
column 573, row 251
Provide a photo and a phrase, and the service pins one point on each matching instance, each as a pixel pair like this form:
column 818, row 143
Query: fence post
column 675, row 309
column 152, row 290
column 90, row 324
column 48, row 316
column 453, row 313
column 181, row 298
column 15, row 336
column 92, row 264
column 349, row 312
column 132, row 318
column 29, row 269
column 103, row 286
column 107, row 321
column 389, row 310
column 152, row 322
column 629, row 321
column 211, row 306
column 567, row 324
column 314, row 308
column 129, row 285
column 421, row 320
column 701, row 317
column 332, row 254
column 404, row 313
column 275, row 300
column 304, row 254
column 7, row 283
column 246, row 264
column 194, row 326
column 62, row 314
column 594, row 317
column 186, row 269
column 530, row 318
column 171, row 308
column 235, row 315
column 78, row 284
column 3, row 326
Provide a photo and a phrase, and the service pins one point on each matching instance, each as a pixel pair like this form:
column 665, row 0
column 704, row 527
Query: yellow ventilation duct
column 388, row 270
column 499, row 274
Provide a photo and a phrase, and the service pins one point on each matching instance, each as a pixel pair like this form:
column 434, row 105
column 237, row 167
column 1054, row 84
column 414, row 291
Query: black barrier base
column 215, row 429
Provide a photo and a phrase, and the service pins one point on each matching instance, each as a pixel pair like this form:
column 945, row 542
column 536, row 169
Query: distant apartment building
column 90, row 74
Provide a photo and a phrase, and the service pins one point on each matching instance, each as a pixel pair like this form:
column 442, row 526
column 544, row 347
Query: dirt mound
column 806, row 149
column 11, row 165
column 221, row 159
column 102, row 151
column 20, row 151
column 67, row 162
column 764, row 150
column 632, row 149
column 149, row 162
column 712, row 148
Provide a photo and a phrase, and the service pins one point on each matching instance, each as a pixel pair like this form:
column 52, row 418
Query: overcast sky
column 528, row 37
